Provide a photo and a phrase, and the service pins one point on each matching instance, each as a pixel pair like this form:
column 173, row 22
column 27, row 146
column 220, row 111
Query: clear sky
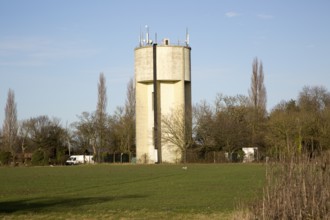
column 52, row 52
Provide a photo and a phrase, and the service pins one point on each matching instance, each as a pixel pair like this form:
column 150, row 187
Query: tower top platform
column 148, row 42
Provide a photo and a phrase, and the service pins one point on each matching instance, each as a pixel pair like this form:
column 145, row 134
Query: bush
column 106, row 157
column 298, row 189
column 5, row 158
column 38, row 158
column 61, row 158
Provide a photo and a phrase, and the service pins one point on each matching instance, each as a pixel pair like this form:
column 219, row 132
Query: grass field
column 127, row 191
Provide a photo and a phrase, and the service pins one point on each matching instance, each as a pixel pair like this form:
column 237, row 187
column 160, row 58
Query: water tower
column 163, row 84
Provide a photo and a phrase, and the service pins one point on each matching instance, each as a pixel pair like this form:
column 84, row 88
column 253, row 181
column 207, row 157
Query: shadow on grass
column 57, row 203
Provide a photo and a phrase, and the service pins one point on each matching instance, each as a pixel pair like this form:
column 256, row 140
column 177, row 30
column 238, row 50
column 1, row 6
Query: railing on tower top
column 178, row 43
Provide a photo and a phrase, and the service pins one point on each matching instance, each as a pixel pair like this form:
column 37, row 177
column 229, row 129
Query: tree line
column 42, row 140
column 228, row 124
column 291, row 127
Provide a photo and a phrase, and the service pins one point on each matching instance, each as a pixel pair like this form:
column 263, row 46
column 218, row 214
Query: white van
column 80, row 159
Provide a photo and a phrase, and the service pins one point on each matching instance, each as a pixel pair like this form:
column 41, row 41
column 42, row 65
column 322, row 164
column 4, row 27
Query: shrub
column 61, row 158
column 47, row 157
column 5, row 157
column 38, row 158
column 106, row 157
column 298, row 189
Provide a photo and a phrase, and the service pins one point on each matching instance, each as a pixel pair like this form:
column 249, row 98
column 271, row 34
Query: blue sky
column 52, row 52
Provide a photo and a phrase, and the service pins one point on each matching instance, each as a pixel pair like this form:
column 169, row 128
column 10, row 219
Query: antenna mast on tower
column 147, row 35
column 187, row 37
column 140, row 38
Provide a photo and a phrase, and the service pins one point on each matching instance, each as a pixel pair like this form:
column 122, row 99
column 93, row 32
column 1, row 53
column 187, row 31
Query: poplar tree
column 257, row 92
column 129, row 119
column 258, row 100
column 101, row 115
column 10, row 125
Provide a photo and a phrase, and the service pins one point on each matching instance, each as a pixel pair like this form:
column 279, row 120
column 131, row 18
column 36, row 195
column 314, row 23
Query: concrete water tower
column 163, row 84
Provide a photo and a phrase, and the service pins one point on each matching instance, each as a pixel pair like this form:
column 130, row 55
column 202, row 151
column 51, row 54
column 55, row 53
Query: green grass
column 127, row 191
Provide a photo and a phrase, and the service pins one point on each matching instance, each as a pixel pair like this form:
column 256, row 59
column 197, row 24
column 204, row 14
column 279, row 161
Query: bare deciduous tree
column 86, row 131
column 232, row 132
column 49, row 137
column 314, row 103
column 284, row 126
column 122, row 123
column 130, row 99
column 300, row 126
column 23, row 131
column 314, row 99
column 176, row 129
column 10, row 125
column 204, row 123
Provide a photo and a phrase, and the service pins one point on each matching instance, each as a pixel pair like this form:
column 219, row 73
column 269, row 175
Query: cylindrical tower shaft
column 163, row 74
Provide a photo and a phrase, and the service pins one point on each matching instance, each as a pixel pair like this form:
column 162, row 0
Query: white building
column 250, row 154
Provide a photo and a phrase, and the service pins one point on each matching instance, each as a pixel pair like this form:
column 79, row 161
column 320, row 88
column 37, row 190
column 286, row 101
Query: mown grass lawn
column 127, row 191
